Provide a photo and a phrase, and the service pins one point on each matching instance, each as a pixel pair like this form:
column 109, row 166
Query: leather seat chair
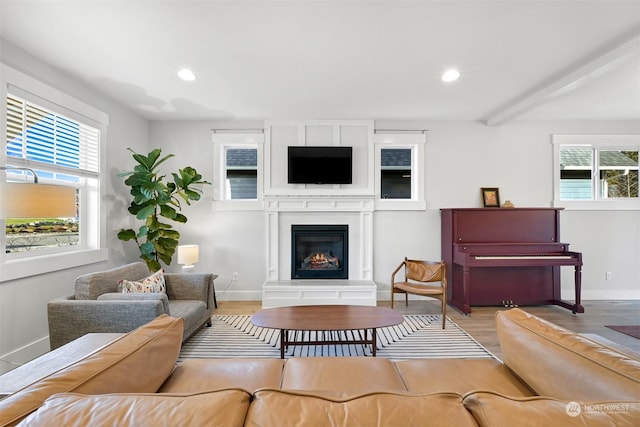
column 426, row 278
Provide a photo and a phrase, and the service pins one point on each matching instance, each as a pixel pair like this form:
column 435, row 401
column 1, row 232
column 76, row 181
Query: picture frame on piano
column 490, row 197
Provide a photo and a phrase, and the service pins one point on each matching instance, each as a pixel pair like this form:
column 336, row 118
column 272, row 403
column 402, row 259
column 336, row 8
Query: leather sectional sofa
column 549, row 377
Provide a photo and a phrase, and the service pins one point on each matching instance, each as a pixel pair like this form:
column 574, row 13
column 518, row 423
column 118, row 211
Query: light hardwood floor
column 481, row 324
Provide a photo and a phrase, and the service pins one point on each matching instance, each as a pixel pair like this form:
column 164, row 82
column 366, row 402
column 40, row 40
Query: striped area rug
column 419, row 336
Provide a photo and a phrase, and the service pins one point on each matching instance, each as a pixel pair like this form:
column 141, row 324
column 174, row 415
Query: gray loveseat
column 97, row 306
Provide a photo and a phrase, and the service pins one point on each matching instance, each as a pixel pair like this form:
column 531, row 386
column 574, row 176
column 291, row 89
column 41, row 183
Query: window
column 597, row 168
column 395, row 173
column 399, row 174
column 59, row 138
column 238, row 182
column 61, row 151
column 242, row 173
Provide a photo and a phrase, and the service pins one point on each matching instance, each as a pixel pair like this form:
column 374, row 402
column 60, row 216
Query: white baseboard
column 385, row 295
column 608, row 295
column 239, row 295
column 24, row 354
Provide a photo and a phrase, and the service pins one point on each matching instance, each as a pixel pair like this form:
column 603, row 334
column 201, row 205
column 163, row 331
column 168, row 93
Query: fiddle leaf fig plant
column 156, row 199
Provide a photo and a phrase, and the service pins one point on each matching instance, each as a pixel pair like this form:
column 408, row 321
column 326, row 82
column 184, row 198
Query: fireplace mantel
column 284, row 210
column 319, row 203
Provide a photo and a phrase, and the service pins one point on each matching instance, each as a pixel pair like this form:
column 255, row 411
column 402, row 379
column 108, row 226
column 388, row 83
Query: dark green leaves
column 154, row 198
column 126, row 235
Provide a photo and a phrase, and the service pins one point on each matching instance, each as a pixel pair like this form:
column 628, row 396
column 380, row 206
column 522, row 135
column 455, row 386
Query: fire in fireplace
column 319, row 251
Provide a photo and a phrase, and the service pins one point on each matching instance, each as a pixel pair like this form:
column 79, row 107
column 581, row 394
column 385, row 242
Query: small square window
column 238, row 172
column 618, row 174
column 395, row 173
column 242, row 173
column 399, row 174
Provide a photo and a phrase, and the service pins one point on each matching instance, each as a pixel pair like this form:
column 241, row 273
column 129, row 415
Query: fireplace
column 319, row 251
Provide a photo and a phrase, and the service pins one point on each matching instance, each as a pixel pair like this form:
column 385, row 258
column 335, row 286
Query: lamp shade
column 188, row 254
column 26, row 200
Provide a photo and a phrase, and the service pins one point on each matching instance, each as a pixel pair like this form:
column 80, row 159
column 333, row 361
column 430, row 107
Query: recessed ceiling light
column 186, row 75
column 450, row 75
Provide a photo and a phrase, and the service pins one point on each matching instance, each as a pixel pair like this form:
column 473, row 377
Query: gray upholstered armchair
column 97, row 306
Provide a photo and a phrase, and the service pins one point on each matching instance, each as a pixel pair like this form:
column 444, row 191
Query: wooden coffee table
column 326, row 318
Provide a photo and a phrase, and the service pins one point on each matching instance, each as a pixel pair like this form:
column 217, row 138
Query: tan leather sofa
column 550, row 377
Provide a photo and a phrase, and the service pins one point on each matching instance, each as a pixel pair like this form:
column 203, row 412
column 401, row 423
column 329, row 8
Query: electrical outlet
column 609, row 275
column 235, row 276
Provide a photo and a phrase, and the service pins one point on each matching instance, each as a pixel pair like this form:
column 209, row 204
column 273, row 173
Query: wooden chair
column 419, row 278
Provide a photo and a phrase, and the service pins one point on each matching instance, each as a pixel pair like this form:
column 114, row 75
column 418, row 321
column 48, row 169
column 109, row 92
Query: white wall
column 23, row 303
column 517, row 158
column 461, row 157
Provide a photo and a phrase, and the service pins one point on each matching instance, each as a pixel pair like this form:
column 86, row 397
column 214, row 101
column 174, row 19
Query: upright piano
column 506, row 256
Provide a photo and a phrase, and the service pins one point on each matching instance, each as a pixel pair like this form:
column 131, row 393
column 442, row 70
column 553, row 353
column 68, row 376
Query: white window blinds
column 42, row 139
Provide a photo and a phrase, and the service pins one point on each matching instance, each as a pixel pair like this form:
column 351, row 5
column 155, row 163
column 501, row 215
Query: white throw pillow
column 154, row 283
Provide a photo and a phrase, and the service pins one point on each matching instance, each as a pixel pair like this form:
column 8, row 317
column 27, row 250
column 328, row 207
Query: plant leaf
column 142, row 232
column 147, row 248
column 145, row 212
column 126, row 235
column 167, row 211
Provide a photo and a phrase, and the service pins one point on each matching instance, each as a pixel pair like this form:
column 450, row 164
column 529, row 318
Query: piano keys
column 495, row 255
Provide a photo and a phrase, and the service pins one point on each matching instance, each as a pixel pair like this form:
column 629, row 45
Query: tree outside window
column 592, row 173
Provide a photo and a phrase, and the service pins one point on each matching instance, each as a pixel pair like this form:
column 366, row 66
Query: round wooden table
column 326, row 318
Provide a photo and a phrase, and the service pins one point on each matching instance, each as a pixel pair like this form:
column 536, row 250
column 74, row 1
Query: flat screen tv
column 319, row 165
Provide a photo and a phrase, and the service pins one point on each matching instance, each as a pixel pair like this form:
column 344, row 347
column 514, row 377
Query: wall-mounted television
column 319, row 165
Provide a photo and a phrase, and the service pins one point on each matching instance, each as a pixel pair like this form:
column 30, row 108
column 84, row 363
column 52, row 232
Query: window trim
column 222, row 141
column 416, row 142
column 94, row 249
column 598, row 142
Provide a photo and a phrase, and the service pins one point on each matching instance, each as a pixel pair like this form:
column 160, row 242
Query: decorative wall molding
column 306, row 203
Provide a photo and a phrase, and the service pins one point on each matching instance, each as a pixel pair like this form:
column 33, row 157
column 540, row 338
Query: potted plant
column 157, row 198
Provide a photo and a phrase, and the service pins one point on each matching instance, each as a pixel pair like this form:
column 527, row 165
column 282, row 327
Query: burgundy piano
column 506, row 256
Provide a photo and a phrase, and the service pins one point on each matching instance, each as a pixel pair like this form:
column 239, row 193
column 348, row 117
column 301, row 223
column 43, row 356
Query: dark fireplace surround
column 320, row 251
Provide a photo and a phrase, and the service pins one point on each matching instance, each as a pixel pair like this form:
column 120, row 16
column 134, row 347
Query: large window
column 597, row 168
column 61, row 151
column 59, row 138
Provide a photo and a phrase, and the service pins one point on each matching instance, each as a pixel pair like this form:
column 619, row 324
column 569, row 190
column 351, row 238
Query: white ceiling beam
column 568, row 82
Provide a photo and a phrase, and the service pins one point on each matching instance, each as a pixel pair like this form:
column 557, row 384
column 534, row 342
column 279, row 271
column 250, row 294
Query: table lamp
column 187, row 256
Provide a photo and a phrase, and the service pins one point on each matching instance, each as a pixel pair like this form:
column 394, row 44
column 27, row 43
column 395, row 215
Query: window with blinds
column 62, row 151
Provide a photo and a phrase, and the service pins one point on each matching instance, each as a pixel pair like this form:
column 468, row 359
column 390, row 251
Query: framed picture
column 490, row 197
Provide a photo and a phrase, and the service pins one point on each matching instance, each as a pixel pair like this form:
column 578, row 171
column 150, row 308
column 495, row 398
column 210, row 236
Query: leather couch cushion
column 198, row 375
column 138, row 362
column 341, row 376
column 561, row 364
column 492, row 409
column 372, row 409
column 223, row 408
column 460, row 376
